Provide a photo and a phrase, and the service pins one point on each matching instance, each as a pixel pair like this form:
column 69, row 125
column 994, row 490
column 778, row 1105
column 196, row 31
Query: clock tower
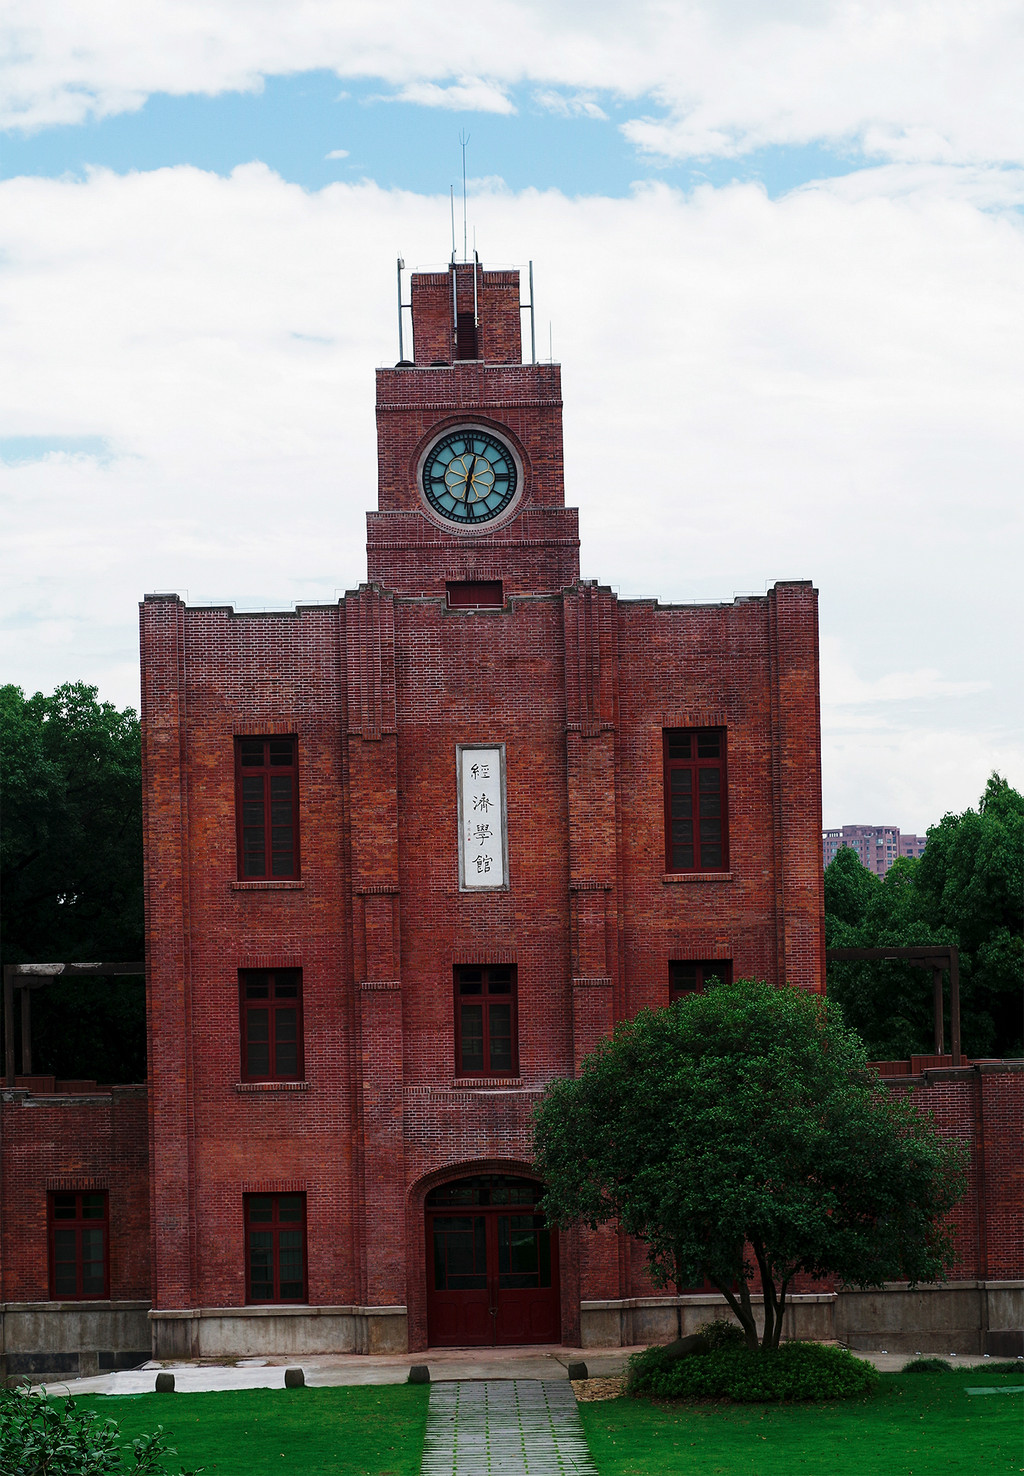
column 412, row 854
column 470, row 448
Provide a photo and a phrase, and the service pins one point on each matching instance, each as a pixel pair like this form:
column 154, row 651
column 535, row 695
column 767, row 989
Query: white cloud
column 578, row 106
column 910, row 776
column 469, row 94
column 910, row 80
column 823, row 386
column 842, row 686
column 337, row 154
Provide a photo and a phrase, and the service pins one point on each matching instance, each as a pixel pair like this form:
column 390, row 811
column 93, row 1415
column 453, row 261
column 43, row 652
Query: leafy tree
column 740, row 1135
column 71, row 862
column 967, row 889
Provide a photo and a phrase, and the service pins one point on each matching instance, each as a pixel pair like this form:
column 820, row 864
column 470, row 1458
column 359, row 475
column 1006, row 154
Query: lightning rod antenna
column 464, row 140
column 452, row 192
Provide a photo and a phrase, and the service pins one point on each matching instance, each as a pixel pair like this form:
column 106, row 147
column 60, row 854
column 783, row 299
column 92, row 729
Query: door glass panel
column 460, row 1252
column 524, row 1252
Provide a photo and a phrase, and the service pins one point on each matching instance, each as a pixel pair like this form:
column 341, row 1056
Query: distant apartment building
column 877, row 845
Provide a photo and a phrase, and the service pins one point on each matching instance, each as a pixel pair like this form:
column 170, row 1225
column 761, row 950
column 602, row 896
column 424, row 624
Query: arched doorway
column 492, row 1265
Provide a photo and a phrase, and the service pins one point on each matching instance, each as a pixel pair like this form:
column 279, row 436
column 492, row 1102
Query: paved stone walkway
column 505, row 1427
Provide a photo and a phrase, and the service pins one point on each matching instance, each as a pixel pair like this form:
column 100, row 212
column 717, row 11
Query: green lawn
column 366, row 1431
column 915, row 1425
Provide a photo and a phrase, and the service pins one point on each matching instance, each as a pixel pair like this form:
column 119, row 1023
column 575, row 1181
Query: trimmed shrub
column 53, row 1437
column 926, row 1365
column 722, row 1334
column 795, row 1371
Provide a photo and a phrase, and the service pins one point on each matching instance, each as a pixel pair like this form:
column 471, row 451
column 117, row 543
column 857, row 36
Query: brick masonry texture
column 378, row 690
column 73, row 1142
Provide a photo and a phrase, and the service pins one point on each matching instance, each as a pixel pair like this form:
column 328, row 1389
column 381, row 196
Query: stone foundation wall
column 227, row 1333
column 48, row 1340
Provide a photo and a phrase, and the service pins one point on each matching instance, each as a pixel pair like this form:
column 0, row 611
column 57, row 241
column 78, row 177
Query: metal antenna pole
column 452, row 193
column 401, row 347
column 464, row 140
column 533, row 326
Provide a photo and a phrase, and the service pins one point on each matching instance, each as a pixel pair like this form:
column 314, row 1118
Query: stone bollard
column 578, row 1370
column 294, row 1378
column 165, row 1383
column 419, row 1373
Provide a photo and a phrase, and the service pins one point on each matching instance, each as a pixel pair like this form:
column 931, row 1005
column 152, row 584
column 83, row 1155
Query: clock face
column 469, row 476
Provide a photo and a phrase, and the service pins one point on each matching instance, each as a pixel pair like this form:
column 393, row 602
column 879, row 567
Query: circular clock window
column 470, row 476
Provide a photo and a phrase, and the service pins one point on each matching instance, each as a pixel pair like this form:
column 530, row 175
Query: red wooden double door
column 492, row 1265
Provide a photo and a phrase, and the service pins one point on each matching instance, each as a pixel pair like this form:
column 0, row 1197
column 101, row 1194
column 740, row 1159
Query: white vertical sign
column 483, row 852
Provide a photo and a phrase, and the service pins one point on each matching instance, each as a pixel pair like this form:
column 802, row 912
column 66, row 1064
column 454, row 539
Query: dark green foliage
column 794, row 1371
column 71, row 859
column 967, row 889
column 53, row 1437
column 926, row 1365
column 740, row 1135
column 721, row 1334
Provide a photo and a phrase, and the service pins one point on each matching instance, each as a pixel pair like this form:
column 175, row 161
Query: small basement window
column 475, row 594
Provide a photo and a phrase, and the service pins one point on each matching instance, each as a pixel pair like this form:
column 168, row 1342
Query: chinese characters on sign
column 482, row 860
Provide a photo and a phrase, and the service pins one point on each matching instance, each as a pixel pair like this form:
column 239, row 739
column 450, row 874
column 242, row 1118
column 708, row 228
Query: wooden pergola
column 938, row 958
column 30, row 976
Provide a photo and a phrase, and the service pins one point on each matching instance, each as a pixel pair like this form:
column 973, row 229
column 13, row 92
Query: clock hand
column 469, row 476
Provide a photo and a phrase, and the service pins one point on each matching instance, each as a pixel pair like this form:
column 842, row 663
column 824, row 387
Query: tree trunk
column 742, row 1308
column 772, row 1303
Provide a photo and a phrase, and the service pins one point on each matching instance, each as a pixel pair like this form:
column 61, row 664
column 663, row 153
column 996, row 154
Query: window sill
column 671, row 877
column 245, row 1087
column 266, row 886
column 464, row 1083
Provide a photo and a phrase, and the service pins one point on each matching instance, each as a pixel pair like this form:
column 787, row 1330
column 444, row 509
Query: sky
column 778, row 250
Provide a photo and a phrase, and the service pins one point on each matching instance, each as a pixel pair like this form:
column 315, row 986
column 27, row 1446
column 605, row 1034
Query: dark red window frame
column 75, row 1218
column 267, row 808
column 275, row 1249
column 696, row 800
column 692, row 976
column 486, row 1020
column 475, row 594
column 270, row 1017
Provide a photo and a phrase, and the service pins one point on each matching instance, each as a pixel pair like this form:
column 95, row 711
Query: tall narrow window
column 266, row 803
column 275, row 1247
column 693, row 977
column 696, row 837
column 485, row 1020
column 78, row 1246
column 271, row 1020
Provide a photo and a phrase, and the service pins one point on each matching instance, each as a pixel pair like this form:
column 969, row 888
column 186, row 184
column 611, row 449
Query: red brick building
column 458, row 939
column 409, row 856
